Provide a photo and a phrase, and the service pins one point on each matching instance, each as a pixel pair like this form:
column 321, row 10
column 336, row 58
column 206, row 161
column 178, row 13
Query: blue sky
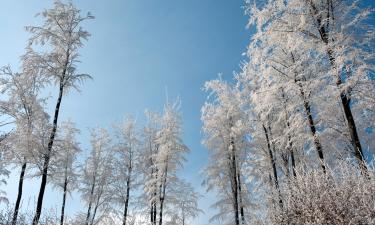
column 138, row 49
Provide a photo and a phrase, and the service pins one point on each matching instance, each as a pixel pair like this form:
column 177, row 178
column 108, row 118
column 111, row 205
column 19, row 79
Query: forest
column 290, row 137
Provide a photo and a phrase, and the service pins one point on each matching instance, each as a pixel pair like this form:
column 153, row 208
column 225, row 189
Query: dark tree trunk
column 154, row 209
column 273, row 164
column 318, row 145
column 90, row 200
column 242, row 211
column 19, row 196
column 95, row 210
column 126, row 201
column 47, row 157
column 161, row 211
column 130, row 168
column 64, row 199
column 272, row 159
column 151, row 213
column 234, row 182
column 162, row 194
column 293, row 162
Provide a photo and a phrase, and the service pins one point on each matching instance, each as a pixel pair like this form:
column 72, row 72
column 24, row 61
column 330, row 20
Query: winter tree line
column 292, row 137
column 129, row 175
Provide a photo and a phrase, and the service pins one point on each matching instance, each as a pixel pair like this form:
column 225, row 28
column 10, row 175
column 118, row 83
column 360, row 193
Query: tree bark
column 153, row 203
column 318, row 146
column 90, row 200
column 126, row 200
column 273, row 164
column 19, row 196
column 293, row 163
column 64, row 199
column 242, row 211
column 272, row 159
column 161, row 211
column 47, row 157
column 162, row 195
column 95, row 210
column 234, row 182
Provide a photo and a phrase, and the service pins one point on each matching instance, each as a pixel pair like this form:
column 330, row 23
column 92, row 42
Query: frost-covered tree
column 333, row 41
column 226, row 128
column 126, row 165
column 59, row 38
column 162, row 155
column 24, row 108
column 171, row 150
column 184, row 203
column 64, row 168
column 345, row 37
column 97, row 177
column 148, row 167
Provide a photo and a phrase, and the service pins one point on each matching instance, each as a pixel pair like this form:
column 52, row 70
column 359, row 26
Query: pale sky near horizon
column 137, row 51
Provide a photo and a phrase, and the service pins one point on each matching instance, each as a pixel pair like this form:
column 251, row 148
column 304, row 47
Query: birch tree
column 24, row 107
column 126, row 165
column 96, row 177
column 184, row 203
column 62, row 36
column 149, row 168
column 171, row 151
column 225, row 128
column 64, row 168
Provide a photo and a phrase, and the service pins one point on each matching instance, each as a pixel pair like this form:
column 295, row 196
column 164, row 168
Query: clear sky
column 138, row 49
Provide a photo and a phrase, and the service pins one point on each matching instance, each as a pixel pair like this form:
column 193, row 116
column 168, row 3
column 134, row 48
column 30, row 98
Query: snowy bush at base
column 342, row 196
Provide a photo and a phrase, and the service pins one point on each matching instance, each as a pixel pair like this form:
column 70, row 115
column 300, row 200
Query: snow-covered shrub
column 342, row 196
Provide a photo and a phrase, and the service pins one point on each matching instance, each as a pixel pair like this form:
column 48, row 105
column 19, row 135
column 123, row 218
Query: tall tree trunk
column 318, row 145
column 293, row 162
column 95, row 210
column 242, row 211
column 152, row 213
column 234, row 181
column 272, row 159
column 161, row 211
column 47, row 156
column 273, row 164
column 155, row 211
column 130, row 168
column 19, row 196
column 90, row 200
column 345, row 100
column 162, row 195
column 126, row 201
column 64, row 199
column 154, row 206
